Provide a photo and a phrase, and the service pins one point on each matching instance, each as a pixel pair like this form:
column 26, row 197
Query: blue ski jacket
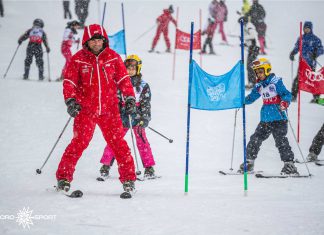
column 273, row 91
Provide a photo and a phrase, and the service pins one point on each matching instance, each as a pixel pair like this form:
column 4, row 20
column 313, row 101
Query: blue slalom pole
column 188, row 111
column 103, row 14
column 243, row 96
column 122, row 6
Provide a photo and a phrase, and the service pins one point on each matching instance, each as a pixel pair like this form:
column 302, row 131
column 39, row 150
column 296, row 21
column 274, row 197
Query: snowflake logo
column 24, row 217
column 216, row 93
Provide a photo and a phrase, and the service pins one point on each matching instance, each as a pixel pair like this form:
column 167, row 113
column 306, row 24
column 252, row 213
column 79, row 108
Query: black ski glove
column 19, row 42
column 292, row 56
column 130, row 105
column 48, row 49
column 313, row 55
column 73, row 107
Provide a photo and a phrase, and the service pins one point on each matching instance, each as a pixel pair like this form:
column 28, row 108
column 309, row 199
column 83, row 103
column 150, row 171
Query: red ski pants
column 221, row 29
column 165, row 32
column 83, row 129
column 66, row 51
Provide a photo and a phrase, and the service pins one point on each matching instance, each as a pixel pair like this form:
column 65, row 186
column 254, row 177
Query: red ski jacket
column 93, row 80
column 164, row 19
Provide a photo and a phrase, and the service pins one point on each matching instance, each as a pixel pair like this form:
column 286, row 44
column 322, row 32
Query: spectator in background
column 66, row 7
column 81, row 10
column 257, row 15
column 163, row 27
column 1, row 9
column 209, row 31
column 312, row 48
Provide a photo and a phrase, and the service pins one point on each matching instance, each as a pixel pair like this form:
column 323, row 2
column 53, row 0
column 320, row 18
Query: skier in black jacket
column 36, row 36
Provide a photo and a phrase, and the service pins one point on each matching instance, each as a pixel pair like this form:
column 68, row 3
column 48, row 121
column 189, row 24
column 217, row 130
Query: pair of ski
column 319, row 162
column 138, row 178
column 260, row 174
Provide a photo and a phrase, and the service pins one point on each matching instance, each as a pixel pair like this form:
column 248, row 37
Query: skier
column 66, row 8
column 36, row 36
column 139, row 119
column 90, row 88
column 251, row 42
column 163, row 24
column 316, row 147
column 209, row 31
column 81, row 10
column 69, row 37
column 220, row 16
column 312, row 48
column 276, row 99
column 257, row 14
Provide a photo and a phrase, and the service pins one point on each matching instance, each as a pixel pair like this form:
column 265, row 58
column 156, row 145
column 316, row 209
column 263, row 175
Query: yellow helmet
column 134, row 60
column 262, row 63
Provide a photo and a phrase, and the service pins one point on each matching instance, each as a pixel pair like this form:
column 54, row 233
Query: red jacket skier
column 163, row 24
column 68, row 39
column 90, row 91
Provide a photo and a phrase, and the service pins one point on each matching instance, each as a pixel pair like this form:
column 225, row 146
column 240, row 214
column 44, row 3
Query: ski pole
column 233, row 139
column 142, row 35
column 138, row 172
column 48, row 65
column 293, row 132
column 292, row 70
column 170, row 140
column 301, row 153
column 4, row 76
column 318, row 63
column 39, row 171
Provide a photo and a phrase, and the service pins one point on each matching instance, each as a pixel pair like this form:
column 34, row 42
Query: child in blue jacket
column 276, row 99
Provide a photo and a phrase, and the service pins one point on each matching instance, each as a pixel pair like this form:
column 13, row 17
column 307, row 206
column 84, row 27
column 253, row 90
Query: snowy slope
column 33, row 115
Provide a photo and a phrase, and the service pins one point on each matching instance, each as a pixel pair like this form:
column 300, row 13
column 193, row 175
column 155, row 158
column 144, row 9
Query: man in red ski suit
column 163, row 24
column 90, row 92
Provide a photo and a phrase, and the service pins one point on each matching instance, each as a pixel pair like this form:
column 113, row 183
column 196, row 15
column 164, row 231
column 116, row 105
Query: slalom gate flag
column 116, row 42
column 183, row 40
column 309, row 80
column 209, row 92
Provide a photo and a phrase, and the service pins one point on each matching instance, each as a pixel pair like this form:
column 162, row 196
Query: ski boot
column 129, row 189
column 104, row 171
column 289, row 168
column 312, row 157
column 149, row 172
column 249, row 166
column 152, row 50
column 168, row 50
column 64, row 185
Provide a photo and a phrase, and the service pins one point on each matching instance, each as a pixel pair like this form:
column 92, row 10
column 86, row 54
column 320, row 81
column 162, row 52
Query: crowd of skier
column 101, row 89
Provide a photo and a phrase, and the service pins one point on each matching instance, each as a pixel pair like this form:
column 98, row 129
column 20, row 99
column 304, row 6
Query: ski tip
column 125, row 195
column 76, row 194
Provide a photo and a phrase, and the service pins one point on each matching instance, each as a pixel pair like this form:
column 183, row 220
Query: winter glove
column 313, row 55
column 19, row 42
column 73, row 107
column 130, row 105
column 48, row 49
column 283, row 105
column 292, row 56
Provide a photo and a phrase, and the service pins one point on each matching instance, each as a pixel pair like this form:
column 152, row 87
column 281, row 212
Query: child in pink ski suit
column 139, row 119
